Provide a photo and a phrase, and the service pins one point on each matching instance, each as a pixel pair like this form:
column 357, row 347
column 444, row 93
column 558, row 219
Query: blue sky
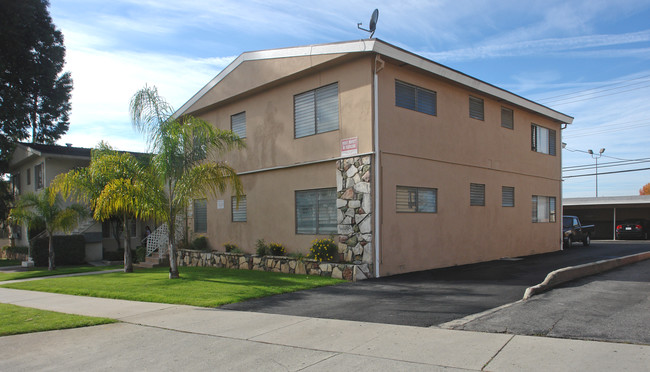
column 588, row 59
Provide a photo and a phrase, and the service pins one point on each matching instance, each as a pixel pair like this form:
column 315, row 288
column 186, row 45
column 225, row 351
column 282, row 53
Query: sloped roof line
column 388, row 50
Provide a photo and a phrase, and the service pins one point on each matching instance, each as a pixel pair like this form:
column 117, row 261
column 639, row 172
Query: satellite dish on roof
column 373, row 23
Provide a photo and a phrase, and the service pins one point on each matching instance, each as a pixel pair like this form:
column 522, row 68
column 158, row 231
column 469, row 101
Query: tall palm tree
column 44, row 210
column 185, row 158
column 116, row 186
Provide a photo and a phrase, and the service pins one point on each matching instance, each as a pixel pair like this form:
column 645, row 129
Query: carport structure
column 606, row 212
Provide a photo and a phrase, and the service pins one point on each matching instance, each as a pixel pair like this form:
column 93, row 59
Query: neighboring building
column 606, row 212
column 34, row 166
column 409, row 164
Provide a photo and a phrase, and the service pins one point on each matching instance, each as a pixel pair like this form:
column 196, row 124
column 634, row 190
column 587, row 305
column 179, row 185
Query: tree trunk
column 51, row 252
column 173, row 268
column 128, row 260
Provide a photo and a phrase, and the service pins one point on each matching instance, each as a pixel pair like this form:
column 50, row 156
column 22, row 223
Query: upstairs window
column 29, row 176
column 316, row 111
column 415, row 98
column 507, row 118
column 238, row 124
column 543, row 208
column 476, row 108
column 316, row 211
column 15, row 183
column 507, row 196
column 239, row 210
column 542, row 139
column 416, row 199
column 476, row 194
column 38, row 176
column 200, row 216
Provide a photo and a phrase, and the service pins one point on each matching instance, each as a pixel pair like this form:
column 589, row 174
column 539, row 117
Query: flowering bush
column 230, row 247
column 323, row 250
column 277, row 249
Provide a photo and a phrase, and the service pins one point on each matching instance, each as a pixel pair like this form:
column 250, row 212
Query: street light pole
column 596, row 157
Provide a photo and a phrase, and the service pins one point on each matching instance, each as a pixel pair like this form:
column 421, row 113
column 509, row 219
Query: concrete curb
column 557, row 277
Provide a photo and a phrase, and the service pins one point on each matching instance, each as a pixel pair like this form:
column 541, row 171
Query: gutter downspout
column 378, row 61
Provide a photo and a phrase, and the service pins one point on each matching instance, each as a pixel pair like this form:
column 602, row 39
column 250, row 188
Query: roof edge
column 389, row 50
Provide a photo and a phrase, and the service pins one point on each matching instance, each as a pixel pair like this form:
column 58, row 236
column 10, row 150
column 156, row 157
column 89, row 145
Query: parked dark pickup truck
column 574, row 231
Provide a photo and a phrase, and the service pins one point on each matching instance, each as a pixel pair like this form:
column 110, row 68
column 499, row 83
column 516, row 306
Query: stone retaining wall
column 279, row 264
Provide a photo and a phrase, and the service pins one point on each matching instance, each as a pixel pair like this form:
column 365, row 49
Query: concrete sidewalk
column 176, row 337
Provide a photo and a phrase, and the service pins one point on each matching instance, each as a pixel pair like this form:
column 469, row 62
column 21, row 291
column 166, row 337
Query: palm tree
column 184, row 161
column 116, row 186
column 44, row 210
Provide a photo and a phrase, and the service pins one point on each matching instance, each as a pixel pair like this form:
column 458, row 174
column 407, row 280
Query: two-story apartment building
column 411, row 165
column 33, row 167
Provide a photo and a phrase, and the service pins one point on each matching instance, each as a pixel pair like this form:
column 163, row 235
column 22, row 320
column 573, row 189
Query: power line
column 591, row 89
column 602, row 173
column 606, row 165
column 604, row 95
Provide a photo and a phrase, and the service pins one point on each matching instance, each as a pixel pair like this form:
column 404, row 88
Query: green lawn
column 16, row 320
column 4, row 262
column 43, row 271
column 198, row 286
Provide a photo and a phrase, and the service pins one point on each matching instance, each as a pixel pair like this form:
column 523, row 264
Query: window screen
column 476, row 194
column 543, row 208
column 200, row 216
column 416, row 199
column 507, row 118
column 542, row 139
column 415, row 98
column 316, row 211
column 238, row 124
column 476, row 108
column 507, row 196
column 239, row 212
column 316, row 111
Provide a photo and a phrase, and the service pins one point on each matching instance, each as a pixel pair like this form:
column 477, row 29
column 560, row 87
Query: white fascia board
column 380, row 47
column 302, row 51
column 466, row 80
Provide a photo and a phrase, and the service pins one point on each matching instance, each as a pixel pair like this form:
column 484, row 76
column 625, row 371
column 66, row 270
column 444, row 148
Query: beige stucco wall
column 271, row 143
column 448, row 152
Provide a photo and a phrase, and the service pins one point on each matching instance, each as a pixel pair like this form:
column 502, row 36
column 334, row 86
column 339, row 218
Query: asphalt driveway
column 611, row 306
column 432, row 297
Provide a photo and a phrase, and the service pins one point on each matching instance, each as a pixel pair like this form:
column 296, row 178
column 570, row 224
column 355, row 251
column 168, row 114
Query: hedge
column 68, row 250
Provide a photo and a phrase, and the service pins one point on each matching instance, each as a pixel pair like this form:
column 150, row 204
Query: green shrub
column 277, row 249
column 230, row 247
column 119, row 255
column 200, row 244
column 236, row 250
column 261, row 249
column 140, row 253
column 324, row 250
column 68, row 250
column 297, row 256
column 15, row 250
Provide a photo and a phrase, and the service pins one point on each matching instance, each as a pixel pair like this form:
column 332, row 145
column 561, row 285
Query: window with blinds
column 507, row 118
column 507, row 196
column 416, row 199
column 238, row 124
column 38, row 176
column 477, row 194
column 543, row 208
column 542, row 140
column 200, row 216
column 316, row 211
column 239, row 210
column 316, row 111
column 476, row 108
column 415, row 98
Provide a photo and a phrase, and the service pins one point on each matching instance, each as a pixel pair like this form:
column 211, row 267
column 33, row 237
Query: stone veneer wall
column 280, row 264
column 354, row 209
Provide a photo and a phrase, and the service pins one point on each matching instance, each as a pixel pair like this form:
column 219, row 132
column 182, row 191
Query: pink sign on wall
column 350, row 146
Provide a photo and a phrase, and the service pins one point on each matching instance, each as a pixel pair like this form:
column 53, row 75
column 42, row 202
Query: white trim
column 383, row 48
column 301, row 164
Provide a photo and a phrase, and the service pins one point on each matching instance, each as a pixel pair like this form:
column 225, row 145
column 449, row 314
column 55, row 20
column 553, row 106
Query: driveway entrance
column 432, row 297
